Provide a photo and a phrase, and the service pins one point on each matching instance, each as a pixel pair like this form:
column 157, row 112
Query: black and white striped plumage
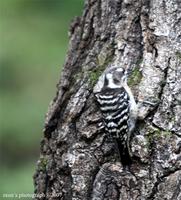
column 118, row 107
column 114, row 105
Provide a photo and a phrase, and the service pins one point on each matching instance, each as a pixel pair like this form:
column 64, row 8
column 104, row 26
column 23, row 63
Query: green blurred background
column 34, row 40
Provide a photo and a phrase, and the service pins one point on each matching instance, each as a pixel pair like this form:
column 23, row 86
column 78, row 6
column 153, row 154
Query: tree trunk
column 77, row 161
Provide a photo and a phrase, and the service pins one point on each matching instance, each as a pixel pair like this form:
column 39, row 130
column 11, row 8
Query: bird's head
column 115, row 78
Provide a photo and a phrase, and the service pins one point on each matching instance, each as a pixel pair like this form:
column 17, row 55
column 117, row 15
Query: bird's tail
column 123, row 153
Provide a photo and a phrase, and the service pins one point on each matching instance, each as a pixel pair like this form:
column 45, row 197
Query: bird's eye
column 116, row 81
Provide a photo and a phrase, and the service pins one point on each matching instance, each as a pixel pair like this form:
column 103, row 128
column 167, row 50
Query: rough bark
column 77, row 161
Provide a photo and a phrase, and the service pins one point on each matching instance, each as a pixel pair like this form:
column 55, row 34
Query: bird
column 119, row 111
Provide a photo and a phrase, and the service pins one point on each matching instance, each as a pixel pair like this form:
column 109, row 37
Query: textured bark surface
column 77, row 161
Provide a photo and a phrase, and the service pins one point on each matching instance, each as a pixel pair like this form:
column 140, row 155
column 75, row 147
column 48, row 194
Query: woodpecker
column 119, row 111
